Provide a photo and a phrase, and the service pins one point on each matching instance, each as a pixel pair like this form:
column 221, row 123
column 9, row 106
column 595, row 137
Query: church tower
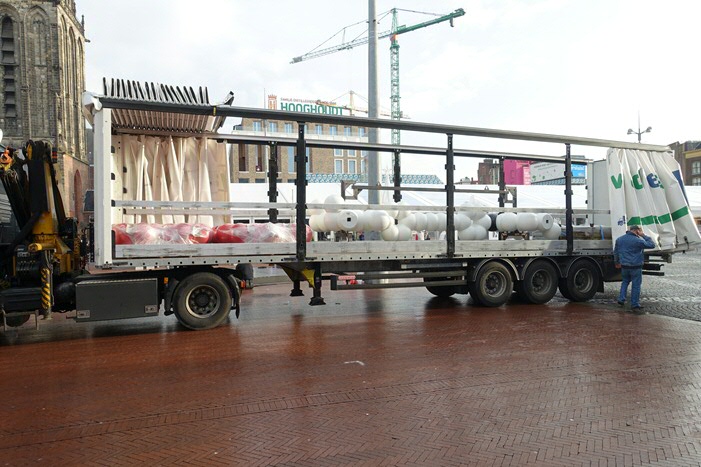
column 42, row 78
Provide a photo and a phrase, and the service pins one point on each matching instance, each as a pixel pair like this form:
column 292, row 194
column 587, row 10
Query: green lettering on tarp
column 637, row 184
column 617, row 181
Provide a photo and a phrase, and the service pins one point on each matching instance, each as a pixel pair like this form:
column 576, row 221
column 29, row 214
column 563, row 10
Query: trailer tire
column 539, row 283
column 441, row 292
column 202, row 301
column 492, row 286
column 581, row 283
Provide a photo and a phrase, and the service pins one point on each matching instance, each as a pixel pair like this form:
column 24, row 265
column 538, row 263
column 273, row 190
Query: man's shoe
column 621, row 303
column 638, row 310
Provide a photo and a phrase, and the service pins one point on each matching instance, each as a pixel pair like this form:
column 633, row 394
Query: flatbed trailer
column 200, row 283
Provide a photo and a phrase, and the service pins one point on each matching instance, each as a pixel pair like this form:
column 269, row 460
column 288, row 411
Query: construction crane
column 397, row 29
column 352, row 108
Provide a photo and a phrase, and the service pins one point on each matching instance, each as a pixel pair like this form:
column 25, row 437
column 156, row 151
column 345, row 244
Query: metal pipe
column 231, row 111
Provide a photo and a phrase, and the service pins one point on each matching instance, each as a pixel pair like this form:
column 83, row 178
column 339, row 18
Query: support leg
column 317, row 299
column 296, row 290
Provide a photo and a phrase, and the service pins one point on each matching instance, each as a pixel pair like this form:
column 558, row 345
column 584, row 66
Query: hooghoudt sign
column 304, row 105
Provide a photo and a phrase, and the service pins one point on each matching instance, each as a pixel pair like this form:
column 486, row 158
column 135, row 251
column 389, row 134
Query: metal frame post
column 103, row 187
column 301, row 182
column 397, row 176
column 502, row 183
column 272, row 181
column 569, row 230
column 450, row 197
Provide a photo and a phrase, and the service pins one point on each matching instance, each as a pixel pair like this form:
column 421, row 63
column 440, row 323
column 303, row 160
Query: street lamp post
column 639, row 132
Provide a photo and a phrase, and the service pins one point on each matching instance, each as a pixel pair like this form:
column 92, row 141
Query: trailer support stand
column 296, row 289
column 317, row 299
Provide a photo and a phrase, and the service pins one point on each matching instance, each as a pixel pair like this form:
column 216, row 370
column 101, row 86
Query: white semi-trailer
column 160, row 159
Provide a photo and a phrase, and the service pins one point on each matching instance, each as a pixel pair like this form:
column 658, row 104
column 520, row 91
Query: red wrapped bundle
column 257, row 233
column 157, row 234
column 231, row 233
column 195, row 233
column 121, row 237
column 144, row 234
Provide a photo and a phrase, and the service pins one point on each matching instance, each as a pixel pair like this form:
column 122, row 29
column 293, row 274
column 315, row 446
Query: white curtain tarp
column 646, row 189
column 148, row 168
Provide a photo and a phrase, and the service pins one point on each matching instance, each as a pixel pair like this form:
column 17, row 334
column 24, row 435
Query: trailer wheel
column 442, row 292
column 539, row 283
column 492, row 286
column 202, row 301
column 581, row 282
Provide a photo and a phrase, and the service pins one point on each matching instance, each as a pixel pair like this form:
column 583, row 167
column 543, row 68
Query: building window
column 308, row 165
column 696, row 168
column 256, row 154
column 351, row 153
column 291, row 160
column 337, row 152
column 352, row 167
column 257, row 126
column 288, row 127
column 319, row 129
column 260, row 180
column 362, row 132
column 333, row 130
column 273, row 127
column 243, row 180
column 696, row 181
column 347, row 131
column 362, row 166
column 338, row 166
column 243, row 160
column 363, row 153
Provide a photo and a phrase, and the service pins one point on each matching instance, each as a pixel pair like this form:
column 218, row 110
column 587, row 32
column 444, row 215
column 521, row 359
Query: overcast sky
column 570, row 67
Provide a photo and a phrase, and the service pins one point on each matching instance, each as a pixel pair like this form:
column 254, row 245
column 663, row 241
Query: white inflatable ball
column 526, row 222
column 545, row 221
column 331, row 222
column 393, row 213
column 409, row 221
column 485, row 221
column 554, row 232
column 481, row 233
column 390, row 234
column 348, row 220
column 506, row 222
column 384, row 221
column 442, row 221
column 402, row 214
column 421, row 221
column 465, row 234
column 313, row 211
column 462, row 222
column 316, row 223
column 431, row 222
column 334, row 199
column 368, row 220
column 404, row 232
column 475, row 214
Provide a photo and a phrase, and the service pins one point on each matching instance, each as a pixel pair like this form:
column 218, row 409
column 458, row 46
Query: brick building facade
column 42, row 68
column 248, row 163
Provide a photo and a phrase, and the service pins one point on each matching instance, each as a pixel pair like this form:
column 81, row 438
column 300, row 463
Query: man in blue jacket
column 629, row 257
